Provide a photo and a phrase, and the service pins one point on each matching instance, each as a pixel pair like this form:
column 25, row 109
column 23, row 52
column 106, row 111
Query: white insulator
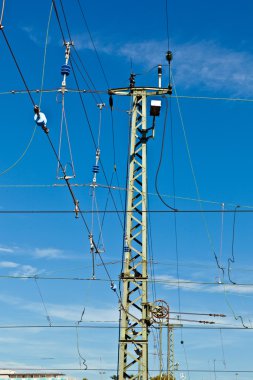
column 40, row 119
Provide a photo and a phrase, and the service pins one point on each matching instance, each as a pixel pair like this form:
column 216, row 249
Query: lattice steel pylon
column 135, row 308
column 170, row 353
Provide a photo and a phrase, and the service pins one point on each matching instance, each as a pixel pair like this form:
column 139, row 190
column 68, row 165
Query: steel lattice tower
column 135, row 309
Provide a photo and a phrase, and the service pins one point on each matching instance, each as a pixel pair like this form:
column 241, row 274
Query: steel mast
column 135, row 308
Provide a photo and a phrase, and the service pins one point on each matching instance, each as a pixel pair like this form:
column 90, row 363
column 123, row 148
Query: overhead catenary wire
column 94, row 142
column 93, row 44
column 160, row 161
column 58, row 21
column 49, row 139
column 43, row 302
column 2, row 12
column 121, row 211
column 196, row 183
column 95, row 94
column 167, row 24
column 175, row 222
column 221, row 237
column 154, row 280
column 65, row 19
column 76, row 203
column 17, row 65
column 64, row 121
column 83, row 90
column 93, row 325
column 232, row 258
column 120, row 188
column 222, row 349
column 5, row 171
column 114, row 369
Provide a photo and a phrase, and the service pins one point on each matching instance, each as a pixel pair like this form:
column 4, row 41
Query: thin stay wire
column 64, row 121
column 2, row 12
column 41, row 93
column 167, row 23
column 43, row 302
column 232, row 258
column 86, row 116
column 195, row 182
column 160, row 160
column 93, row 44
column 175, row 227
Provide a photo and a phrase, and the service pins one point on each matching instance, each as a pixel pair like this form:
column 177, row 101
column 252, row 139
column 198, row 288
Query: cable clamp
column 77, row 209
column 113, row 286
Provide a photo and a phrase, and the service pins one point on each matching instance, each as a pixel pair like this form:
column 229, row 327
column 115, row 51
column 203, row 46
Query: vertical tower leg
column 133, row 357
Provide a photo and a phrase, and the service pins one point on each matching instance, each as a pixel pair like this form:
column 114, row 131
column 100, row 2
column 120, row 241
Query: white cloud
column 8, row 264
column 36, row 37
column 213, row 67
column 49, row 253
column 203, row 64
column 25, row 270
column 6, row 250
column 171, row 282
column 71, row 313
column 82, row 42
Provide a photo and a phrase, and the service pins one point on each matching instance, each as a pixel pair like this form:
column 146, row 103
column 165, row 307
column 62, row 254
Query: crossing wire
column 79, row 58
column 114, row 369
column 16, row 63
column 93, row 327
column 93, row 44
column 94, row 92
column 122, row 211
column 119, row 188
column 41, row 93
column 76, row 203
column 94, row 143
column 2, row 13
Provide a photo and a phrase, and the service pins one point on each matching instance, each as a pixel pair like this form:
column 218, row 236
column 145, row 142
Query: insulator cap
column 95, row 169
column 169, row 56
column 126, row 249
column 40, row 119
column 169, row 89
column 65, row 70
column 132, row 80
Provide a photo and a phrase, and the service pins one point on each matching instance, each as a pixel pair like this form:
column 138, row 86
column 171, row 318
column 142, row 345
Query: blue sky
column 213, row 57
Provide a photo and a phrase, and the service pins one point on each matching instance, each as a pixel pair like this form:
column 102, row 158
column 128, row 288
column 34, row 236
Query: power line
column 73, row 90
column 120, row 188
column 114, row 369
column 93, row 92
column 92, row 325
column 17, row 65
column 93, row 44
column 154, row 280
column 58, row 20
column 121, row 211
column 65, row 19
column 2, row 13
column 41, row 92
